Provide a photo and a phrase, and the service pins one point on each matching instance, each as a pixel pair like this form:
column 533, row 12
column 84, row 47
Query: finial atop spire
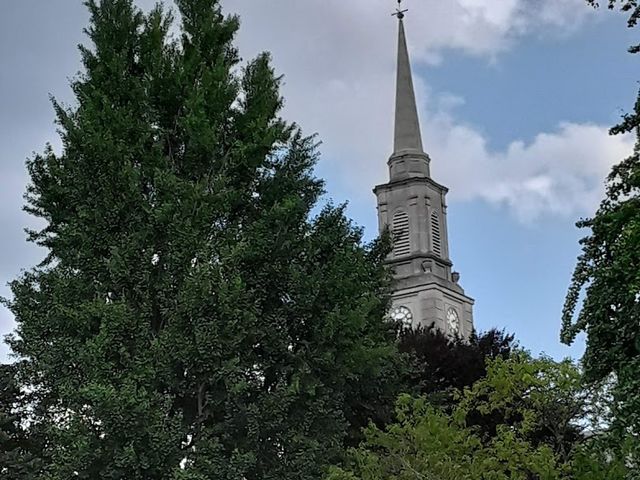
column 399, row 12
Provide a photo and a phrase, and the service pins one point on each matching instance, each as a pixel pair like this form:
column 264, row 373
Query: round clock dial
column 453, row 321
column 402, row 315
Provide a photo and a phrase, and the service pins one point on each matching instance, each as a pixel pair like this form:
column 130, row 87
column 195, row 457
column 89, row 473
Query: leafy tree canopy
column 530, row 395
column 193, row 319
column 440, row 363
column 432, row 364
column 608, row 271
column 18, row 459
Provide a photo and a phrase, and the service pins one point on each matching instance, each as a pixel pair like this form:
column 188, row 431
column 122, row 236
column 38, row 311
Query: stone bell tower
column 413, row 207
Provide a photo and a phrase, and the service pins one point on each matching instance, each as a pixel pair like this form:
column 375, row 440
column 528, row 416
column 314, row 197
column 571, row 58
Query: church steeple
column 408, row 158
column 413, row 208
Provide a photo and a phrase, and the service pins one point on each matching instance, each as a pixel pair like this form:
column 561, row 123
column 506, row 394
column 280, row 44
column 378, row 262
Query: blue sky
column 515, row 106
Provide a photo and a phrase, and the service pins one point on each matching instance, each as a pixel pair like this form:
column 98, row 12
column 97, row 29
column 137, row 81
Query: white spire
column 408, row 159
column 407, row 137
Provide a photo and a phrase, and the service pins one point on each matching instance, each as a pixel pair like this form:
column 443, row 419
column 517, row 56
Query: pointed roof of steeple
column 408, row 159
column 407, row 128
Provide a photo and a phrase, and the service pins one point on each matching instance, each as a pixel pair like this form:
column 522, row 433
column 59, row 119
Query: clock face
column 402, row 315
column 453, row 321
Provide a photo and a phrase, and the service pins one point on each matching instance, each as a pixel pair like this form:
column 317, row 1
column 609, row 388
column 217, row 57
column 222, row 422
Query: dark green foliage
column 18, row 449
column 432, row 364
column 605, row 458
column 441, row 367
column 440, row 364
column 609, row 272
column 630, row 122
column 426, row 443
column 192, row 321
column 373, row 402
column 11, row 437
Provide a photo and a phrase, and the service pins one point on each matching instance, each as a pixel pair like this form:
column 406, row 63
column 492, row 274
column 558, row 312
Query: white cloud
column 479, row 27
column 559, row 173
column 339, row 57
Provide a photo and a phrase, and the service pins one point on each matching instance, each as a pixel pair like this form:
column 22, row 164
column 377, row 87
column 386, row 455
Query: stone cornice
column 425, row 256
column 410, row 181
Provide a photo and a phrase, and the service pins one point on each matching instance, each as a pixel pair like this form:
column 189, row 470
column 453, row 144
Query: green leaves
column 18, row 450
column 538, row 407
column 607, row 273
column 427, row 443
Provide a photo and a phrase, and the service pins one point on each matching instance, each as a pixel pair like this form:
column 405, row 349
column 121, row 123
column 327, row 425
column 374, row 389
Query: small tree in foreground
column 547, row 430
column 440, row 364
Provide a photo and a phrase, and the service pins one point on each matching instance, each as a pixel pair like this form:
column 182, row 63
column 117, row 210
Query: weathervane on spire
column 399, row 12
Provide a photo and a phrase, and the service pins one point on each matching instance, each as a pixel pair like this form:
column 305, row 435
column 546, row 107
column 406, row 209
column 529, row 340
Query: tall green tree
column 608, row 272
column 607, row 275
column 192, row 320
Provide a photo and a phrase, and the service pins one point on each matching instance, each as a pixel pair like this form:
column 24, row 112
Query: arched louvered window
column 400, row 231
column 436, row 236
